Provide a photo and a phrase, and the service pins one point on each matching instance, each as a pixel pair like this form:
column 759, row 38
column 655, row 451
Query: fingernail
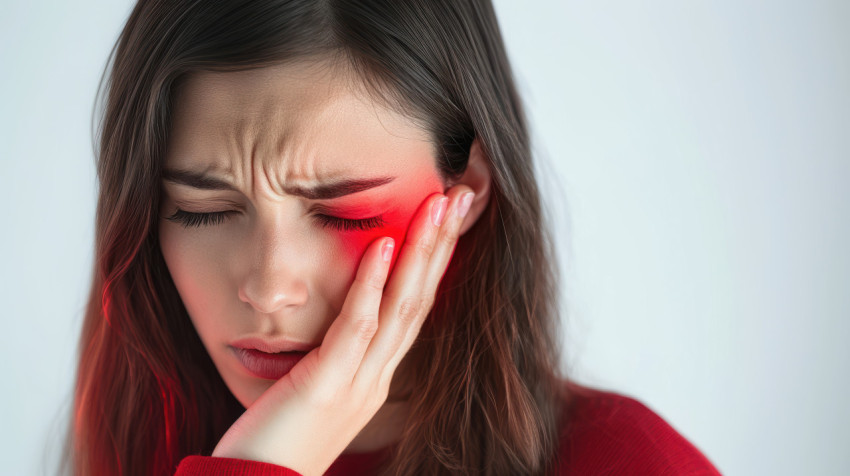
column 438, row 210
column 387, row 249
column 465, row 202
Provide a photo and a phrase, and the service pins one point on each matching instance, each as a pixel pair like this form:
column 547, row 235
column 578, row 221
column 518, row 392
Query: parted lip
column 272, row 346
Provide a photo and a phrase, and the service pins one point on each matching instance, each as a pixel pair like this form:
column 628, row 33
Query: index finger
column 349, row 335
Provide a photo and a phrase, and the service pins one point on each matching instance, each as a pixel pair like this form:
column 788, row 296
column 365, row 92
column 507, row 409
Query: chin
column 244, row 387
column 247, row 389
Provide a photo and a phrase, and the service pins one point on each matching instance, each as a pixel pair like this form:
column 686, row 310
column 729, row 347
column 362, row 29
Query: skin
column 270, row 269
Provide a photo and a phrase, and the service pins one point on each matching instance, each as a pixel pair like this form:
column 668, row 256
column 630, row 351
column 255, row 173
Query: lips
column 266, row 365
column 272, row 346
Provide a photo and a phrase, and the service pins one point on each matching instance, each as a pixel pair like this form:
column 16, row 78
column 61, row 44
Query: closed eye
column 348, row 224
column 193, row 219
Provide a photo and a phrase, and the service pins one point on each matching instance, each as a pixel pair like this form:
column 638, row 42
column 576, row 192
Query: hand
column 305, row 420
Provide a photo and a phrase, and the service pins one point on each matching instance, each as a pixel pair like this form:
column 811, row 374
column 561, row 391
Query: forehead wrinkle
column 296, row 150
column 290, row 153
column 268, row 146
column 255, row 114
column 275, row 128
column 241, row 138
column 270, row 127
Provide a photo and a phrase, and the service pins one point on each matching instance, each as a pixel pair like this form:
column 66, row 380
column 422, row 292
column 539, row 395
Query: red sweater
column 602, row 433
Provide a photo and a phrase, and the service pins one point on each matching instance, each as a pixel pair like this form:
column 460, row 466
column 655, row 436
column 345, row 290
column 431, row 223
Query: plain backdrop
column 694, row 157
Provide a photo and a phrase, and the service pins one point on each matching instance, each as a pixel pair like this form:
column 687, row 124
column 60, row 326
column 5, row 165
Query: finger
column 349, row 335
column 402, row 301
column 447, row 237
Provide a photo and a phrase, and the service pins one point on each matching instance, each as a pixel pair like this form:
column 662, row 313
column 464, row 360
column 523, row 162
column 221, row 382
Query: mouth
column 272, row 346
column 267, row 365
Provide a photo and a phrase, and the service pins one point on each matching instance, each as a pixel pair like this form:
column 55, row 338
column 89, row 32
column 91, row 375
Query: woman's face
column 277, row 258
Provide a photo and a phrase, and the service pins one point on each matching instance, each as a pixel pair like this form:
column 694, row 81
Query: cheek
column 196, row 274
column 354, row 245
column 337, row 264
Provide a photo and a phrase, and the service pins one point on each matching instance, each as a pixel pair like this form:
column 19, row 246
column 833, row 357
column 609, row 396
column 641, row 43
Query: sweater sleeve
column 616, row 434
column 195, row 465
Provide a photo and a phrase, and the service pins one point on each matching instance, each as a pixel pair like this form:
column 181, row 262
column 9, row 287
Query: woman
column 321, row 249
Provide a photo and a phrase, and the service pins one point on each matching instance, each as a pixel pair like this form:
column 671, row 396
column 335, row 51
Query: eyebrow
column 325, row 191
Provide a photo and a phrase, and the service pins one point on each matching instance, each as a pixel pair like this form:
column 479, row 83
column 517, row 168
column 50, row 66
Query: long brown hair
column 489, row 383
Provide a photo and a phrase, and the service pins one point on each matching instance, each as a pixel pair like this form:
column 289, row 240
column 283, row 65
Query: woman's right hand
column 308, row 417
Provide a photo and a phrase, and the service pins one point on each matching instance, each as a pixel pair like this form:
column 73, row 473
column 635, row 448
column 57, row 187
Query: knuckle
column 424, row 247
column 449, row 237
column 372, row 281
column 365, row 327
column 428, row 303
column 409, row 309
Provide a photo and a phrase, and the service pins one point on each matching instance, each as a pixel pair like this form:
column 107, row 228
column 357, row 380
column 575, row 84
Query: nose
column 268, row 297
column 274, row 280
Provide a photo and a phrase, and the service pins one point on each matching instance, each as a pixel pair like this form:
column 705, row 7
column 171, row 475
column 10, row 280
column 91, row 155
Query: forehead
column 296, row 123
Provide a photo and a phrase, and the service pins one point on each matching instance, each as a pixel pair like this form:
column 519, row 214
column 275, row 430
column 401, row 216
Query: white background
column 696, row 163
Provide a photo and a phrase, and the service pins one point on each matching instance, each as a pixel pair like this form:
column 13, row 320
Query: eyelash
column 190, row 219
